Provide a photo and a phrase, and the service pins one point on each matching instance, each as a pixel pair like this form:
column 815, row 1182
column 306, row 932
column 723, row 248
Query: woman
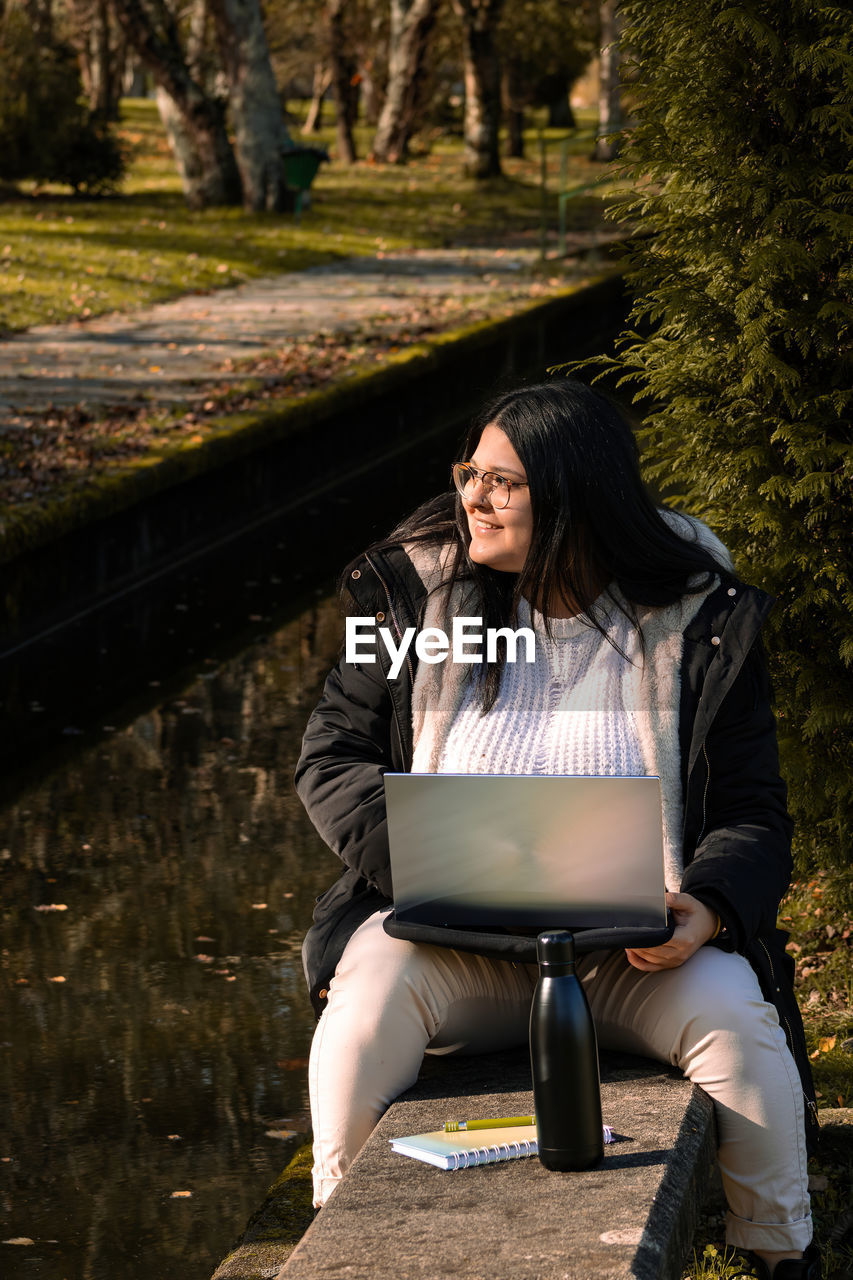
column 648, row 662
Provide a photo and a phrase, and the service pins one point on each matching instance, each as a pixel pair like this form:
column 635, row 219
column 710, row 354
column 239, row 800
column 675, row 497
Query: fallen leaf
column 19, row 1240
column 180, row 1195
column 292, row 1064
column 259, row 906
column 281, row 1133
column 58, row 978
column 51, row 906
column 826, row 1043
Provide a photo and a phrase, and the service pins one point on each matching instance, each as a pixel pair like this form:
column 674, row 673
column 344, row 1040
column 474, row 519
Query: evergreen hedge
column 46, row 130
column 741, row 164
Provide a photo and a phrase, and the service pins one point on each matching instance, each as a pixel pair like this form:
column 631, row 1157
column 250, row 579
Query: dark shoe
column 805, row 1268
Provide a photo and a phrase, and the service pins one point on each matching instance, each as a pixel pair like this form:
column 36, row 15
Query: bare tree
column 344, row 71
column 482, row 86
column 260, row 133
column 101, row 52
column 194, row 114
column 193, row 117
column 322, row 80
column 513, row 105
column 372, row 60
column 609, row 98
column 544, row 45
column 412, row 22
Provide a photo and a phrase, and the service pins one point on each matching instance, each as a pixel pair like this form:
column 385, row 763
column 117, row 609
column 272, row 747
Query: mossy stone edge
column 32, row 525
column 274, row 1230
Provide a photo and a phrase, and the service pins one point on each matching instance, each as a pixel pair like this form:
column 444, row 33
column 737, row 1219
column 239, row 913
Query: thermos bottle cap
column 557, row 946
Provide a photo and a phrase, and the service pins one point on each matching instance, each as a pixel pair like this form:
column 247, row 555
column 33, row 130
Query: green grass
column 819, row 915
column 64, row 259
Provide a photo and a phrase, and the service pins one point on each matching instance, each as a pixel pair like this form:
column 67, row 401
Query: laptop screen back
column 528, row 852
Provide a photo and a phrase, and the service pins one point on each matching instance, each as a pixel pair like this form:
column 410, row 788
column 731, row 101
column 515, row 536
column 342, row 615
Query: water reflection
column 156, row 1028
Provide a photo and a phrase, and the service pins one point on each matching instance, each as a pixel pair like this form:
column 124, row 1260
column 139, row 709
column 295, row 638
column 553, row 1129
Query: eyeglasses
column 496, row 488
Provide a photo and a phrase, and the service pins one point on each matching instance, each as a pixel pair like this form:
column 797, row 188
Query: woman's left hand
column 694, row 925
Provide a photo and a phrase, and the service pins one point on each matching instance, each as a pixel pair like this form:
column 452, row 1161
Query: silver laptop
column 528, row 852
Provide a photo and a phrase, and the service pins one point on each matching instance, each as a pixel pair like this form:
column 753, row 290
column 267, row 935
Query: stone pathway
column 173, row 351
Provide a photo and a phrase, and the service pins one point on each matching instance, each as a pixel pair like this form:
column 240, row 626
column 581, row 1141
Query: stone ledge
column 228, row 440
column 633, row 1217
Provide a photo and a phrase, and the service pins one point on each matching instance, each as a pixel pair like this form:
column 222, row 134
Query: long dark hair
column 594, row 520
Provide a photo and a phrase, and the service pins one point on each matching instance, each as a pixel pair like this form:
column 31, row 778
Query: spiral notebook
column 461, row 1150
column 481, row 1146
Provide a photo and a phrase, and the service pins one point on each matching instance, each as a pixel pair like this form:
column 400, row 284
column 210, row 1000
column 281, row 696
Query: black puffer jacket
column 737, row 833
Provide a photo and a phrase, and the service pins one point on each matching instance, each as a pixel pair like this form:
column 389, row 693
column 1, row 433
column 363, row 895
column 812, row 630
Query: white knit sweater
column 570, row 711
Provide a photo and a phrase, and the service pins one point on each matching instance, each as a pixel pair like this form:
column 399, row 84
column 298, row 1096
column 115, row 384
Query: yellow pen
column 506, row 1122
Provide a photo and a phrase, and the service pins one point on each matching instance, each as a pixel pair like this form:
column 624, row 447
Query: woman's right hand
column 695, row 924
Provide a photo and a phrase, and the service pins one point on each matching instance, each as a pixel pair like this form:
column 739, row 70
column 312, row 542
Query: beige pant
column 392, row 1001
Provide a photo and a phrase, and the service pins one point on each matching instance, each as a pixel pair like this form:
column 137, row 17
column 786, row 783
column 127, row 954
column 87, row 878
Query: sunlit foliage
column 741, row 348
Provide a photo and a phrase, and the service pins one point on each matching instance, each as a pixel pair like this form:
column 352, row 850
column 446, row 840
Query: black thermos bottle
column 564, row 1060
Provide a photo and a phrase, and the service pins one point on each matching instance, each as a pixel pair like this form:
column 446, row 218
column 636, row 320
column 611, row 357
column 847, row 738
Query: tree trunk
column 513, row 109
column 194, row 120
column 133, row 84
column 196, row 40
column 412, row 22
column 560, row 113
column 482, row 86
column 322, row 80
column 371, row 94
column 101, row 55
column 106, row 63
column 609, row 102
column 260, row 134
column 208, row 171
column 344, row 73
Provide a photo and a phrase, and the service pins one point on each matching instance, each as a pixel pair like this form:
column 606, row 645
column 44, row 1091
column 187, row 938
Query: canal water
column 156, row 885
column 157, row 876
